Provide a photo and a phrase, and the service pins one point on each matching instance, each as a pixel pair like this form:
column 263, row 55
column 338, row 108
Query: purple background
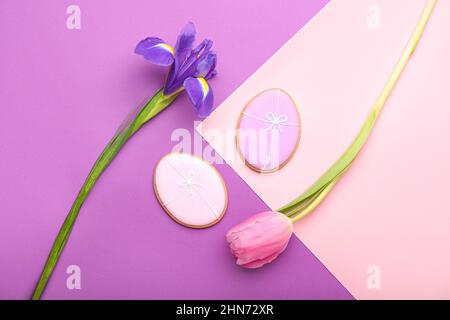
column 63, row 93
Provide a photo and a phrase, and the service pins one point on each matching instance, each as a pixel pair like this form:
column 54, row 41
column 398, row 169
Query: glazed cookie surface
column 190, row 190
column 268, row 131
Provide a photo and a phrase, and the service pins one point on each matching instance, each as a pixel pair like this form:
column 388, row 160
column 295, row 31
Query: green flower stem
column 150, row 109
column 311, row 198
column 308, row 206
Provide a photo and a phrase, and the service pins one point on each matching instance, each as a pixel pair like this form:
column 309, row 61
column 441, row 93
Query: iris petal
column 200, row 95
column 211, row 75
column 207, row 66
column 184, row 42
column 156, row 51
column 183, row 47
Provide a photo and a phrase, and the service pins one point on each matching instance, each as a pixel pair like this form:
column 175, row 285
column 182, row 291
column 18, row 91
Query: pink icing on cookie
column 190, row 190
column 268, row 130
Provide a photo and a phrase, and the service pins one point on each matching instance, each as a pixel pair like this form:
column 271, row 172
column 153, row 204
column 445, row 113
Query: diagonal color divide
column 373, row 231
column 70, row 96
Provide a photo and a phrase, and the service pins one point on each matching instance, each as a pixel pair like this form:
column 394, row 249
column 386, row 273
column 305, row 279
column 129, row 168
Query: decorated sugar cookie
column 268, row 131
column 190, row 190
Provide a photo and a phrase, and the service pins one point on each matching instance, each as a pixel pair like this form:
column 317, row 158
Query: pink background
column 390, row 209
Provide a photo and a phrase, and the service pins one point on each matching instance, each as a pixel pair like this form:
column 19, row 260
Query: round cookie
column 190, row 190
column 268, row 131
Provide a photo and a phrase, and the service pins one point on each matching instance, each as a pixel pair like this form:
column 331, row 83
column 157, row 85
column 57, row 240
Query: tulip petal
column 200, row 95
column 248, row 223
column 259, row 263
column 156, row 51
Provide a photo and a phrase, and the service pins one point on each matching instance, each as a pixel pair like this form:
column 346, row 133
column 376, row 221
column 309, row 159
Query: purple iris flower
column 190, row 68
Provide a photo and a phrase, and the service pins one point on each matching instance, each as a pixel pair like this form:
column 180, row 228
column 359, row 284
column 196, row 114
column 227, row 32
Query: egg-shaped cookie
column 268, row 131
column 190, row 190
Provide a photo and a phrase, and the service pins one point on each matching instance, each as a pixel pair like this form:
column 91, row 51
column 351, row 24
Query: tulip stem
column 149, row 110
column 311, row 198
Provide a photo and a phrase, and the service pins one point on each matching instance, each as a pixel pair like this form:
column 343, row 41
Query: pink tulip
column 260, row 239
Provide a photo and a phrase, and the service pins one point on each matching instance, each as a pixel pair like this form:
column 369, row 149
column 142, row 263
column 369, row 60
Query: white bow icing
column 276, row 120
column 189, row 182
column 191, row 185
